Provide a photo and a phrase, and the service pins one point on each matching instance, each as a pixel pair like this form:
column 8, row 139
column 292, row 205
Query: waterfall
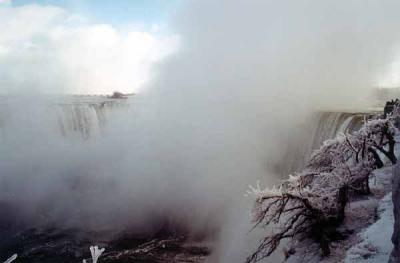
column 330, row 124
column 74, row 117
column 322, row 126
column 85, row 117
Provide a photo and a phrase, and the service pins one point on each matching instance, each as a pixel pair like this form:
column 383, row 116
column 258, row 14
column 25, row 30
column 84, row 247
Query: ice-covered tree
column 312, row 203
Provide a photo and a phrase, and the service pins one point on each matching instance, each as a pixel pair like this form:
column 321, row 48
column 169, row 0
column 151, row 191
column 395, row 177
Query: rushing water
column 79, row 117
column 85, row 117
column 321, row 126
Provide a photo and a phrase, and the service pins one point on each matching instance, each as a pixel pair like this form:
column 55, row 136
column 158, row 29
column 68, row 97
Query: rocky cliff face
column 395, row 256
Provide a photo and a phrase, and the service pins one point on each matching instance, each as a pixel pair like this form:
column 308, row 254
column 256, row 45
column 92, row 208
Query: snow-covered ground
column 369, row 223
column 375, row 244
column 367, row 227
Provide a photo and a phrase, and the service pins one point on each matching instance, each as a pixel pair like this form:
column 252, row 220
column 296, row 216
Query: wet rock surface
column 62, row 246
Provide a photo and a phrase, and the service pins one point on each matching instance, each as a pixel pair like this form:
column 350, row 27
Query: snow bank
column 375, row 245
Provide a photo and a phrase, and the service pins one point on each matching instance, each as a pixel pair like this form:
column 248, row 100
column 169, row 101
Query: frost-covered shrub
column 312, row 203
column 304, row 206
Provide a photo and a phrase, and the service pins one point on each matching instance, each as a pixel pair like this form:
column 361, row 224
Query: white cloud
column 47, row 49
column 5, row 2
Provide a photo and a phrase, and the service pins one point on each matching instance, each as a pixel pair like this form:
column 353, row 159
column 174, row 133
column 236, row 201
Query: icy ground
column 374, row 242
column 366, row 230
column 375, row 245
column 370, row 220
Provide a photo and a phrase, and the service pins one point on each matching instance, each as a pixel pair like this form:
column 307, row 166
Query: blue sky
column 116, row 12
